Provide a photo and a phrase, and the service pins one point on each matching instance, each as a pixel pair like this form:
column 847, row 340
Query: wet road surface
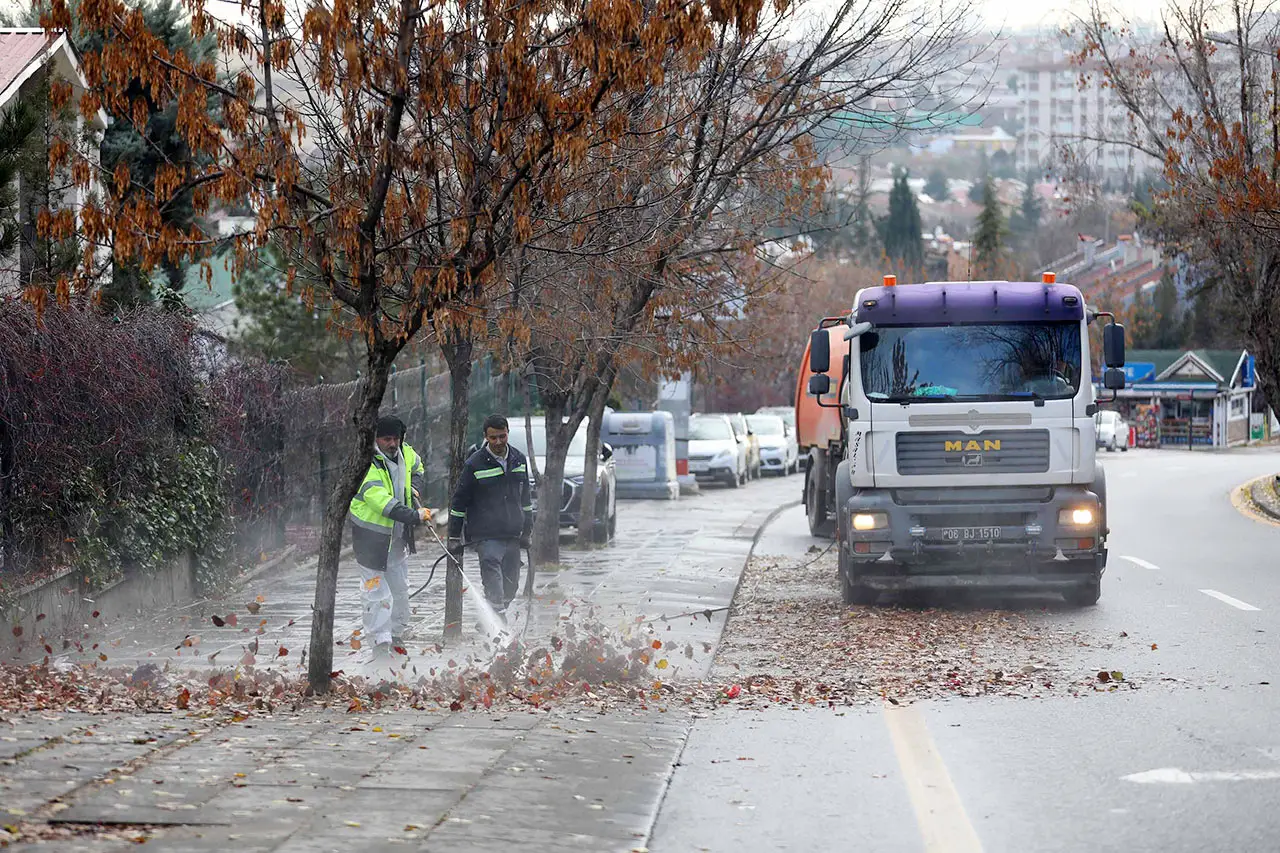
column 1188, row 759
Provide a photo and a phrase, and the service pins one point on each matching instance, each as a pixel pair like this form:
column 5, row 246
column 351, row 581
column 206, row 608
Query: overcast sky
column 1015, row 14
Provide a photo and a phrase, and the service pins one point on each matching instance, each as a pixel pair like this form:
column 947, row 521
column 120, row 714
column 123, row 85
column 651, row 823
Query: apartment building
column 1073, row 126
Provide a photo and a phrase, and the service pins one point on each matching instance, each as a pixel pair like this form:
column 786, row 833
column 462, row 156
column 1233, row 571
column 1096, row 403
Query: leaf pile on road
column 790, row 639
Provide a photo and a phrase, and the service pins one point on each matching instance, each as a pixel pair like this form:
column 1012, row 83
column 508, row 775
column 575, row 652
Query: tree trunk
column 457, row 353
column 546, row 528
column 8, row 547
column 1264, row 346
column 587, row 532
column 350, row 474
column 502, row 394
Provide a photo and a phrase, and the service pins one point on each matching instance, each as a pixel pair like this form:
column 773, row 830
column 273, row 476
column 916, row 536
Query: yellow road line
column 944, row 826
column 1243, row 502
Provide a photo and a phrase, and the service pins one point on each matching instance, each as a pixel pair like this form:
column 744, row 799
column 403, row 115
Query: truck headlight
column 723, row 456
column 870, row 521
column 1078, row 517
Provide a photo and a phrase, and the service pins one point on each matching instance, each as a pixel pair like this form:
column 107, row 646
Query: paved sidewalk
column 321, row 779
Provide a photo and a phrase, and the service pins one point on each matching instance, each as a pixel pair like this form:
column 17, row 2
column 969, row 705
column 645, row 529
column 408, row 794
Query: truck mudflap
column 1037, row 537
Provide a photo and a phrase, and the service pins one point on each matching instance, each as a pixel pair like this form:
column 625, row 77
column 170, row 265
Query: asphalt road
column 1188, row 761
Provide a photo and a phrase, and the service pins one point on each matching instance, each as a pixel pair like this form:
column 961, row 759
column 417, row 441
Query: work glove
column 526, row 541
column 455, row 545
column 424, row 515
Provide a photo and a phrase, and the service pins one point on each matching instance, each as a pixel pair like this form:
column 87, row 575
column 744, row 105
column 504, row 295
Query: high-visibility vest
column 376, row 495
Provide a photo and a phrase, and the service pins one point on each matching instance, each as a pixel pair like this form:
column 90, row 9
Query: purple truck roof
column 944, row 302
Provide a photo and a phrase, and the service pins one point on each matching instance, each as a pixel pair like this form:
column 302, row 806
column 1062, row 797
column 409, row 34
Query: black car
column 606, row 521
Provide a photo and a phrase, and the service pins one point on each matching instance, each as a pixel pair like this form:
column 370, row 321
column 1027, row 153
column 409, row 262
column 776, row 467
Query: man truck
column 950, row 439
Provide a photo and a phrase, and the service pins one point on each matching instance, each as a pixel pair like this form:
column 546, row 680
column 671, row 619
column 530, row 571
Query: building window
column 1238, row 407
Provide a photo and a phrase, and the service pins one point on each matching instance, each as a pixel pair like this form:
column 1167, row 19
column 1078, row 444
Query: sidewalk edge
column 688, row 729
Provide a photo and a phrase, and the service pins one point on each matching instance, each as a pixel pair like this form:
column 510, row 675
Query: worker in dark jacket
column 492, row 499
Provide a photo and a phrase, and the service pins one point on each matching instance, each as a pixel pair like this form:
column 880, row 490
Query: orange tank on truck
column 819, row 426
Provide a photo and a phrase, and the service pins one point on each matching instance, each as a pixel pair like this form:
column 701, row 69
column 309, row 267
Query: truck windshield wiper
column 1036, row 396
column 930, row 398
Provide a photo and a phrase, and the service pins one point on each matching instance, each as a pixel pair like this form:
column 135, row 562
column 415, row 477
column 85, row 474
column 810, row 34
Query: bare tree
column 1202, row 98
column 724, row 152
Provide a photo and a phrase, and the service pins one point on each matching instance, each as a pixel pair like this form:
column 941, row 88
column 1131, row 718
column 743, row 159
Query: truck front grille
column 991, row 452
column 972, row 519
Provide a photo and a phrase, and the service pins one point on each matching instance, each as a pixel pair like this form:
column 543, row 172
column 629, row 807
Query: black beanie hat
column 390, row 426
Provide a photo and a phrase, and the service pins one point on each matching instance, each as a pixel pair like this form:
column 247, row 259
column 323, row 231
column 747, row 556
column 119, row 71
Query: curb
column 688, row 729
column 1268, row 506
column 291, row 559
column 1244, row 501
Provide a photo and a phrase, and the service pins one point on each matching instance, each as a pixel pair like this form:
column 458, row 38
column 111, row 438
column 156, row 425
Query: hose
column 528, row 589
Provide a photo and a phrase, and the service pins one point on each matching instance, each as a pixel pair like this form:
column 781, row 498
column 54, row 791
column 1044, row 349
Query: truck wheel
column 815, row 495
column 1084, row 595
column 852, row 592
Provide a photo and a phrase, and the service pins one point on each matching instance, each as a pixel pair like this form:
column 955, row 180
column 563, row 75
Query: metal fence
column 317, row 431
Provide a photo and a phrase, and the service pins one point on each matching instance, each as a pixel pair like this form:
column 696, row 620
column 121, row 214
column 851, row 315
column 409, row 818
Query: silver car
column 779, row 453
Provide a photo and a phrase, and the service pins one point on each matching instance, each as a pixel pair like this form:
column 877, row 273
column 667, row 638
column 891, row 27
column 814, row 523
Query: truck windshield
column 998, row 361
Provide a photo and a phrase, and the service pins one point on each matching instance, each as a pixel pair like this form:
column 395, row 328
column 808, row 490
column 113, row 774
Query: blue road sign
column 1139, row 371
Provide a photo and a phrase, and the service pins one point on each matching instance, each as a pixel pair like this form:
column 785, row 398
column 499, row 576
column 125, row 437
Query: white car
column 1111, row 431
column 779, row 453
column 787, row 413
column 715, row 452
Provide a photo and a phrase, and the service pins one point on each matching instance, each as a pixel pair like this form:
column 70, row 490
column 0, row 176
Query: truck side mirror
column 819, row 384
column 1113, row 378
column 1113, row 345
column 819, row 351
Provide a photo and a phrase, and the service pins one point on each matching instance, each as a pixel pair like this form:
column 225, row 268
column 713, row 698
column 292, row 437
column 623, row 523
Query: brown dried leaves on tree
column 395, row 152
column 1203, row 100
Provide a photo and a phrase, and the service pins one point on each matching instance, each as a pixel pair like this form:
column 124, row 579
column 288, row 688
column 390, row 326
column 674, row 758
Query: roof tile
column 18, row 49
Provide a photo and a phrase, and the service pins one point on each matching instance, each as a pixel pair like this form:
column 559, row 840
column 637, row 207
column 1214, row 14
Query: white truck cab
column 969, row 446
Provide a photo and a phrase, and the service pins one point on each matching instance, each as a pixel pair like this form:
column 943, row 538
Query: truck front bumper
column 927, row 538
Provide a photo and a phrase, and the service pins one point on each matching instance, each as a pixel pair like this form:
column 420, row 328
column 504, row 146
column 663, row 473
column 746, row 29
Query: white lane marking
column 944, row 826
column 1174, row 776
column 1234, row 602
column 1137, row 561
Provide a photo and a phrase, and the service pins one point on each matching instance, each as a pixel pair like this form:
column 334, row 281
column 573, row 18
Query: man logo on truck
column 972, row 444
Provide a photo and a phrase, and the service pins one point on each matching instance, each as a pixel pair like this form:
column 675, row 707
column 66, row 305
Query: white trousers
column 385, row 596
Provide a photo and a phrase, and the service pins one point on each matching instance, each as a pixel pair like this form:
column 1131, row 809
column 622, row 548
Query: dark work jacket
column 493, row 503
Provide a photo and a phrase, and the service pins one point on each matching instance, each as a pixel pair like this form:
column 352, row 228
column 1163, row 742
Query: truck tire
column 852, row 592
column 1084, row 595
column 815, row 494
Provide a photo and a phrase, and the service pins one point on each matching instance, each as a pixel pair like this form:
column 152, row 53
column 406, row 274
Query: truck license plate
column 970, row 534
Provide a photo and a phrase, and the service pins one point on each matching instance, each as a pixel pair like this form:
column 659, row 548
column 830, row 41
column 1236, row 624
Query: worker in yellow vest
column 383, row 515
